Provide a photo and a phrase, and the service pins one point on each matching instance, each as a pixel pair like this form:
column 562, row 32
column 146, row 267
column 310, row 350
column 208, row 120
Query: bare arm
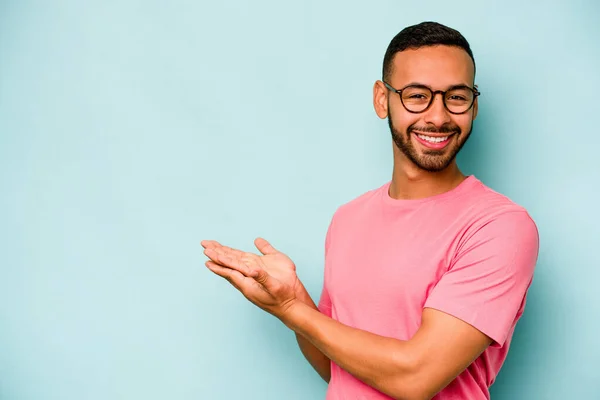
column 416, row 369
column 413, row 370
column 319, row 361
column 486, row 286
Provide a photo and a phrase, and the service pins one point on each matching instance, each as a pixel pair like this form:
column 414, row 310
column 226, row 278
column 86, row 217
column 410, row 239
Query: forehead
column 435, row 66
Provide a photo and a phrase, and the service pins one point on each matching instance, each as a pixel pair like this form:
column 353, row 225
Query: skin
column 438, row 67
column 443, row 346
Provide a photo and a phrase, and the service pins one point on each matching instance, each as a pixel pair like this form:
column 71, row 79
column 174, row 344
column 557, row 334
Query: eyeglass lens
column 416, row 98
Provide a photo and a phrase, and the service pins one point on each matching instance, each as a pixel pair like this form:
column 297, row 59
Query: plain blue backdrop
column 130, row 130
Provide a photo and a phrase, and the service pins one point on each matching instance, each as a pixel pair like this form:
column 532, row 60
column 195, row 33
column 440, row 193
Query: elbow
column 417, row 395
column 410, row 383
column 325, row 375
column 408, row 391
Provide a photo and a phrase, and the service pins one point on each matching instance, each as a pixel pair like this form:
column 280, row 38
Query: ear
column 475, row 105
column 380, row 103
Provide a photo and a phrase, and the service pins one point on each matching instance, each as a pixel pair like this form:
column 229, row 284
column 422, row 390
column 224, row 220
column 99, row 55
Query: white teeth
column 433, row 139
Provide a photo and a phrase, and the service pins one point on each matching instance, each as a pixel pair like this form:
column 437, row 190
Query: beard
column 430, row 160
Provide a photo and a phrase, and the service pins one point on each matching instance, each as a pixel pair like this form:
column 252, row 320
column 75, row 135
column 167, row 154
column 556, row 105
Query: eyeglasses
column 417, row 98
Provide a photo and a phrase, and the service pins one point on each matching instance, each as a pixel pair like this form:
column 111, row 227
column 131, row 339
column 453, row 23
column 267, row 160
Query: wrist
column 302, row 294
column 291, row 314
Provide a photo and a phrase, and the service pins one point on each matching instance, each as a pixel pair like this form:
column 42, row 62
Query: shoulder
column 360, row 205
column 485, row 206
column 494, row 222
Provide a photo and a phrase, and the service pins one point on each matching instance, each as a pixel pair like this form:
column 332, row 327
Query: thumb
column 264, row 247
column 261, row 276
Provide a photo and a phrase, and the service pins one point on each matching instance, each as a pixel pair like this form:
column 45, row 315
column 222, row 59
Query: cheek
column 463, row 122
column 402, row 120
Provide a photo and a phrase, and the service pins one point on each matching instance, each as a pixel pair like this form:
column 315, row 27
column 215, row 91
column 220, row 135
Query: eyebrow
column 455, row 86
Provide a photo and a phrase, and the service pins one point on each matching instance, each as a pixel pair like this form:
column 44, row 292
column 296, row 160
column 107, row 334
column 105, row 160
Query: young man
column 425, row 276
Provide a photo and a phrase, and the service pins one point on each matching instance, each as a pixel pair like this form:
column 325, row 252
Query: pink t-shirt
column 469, row 252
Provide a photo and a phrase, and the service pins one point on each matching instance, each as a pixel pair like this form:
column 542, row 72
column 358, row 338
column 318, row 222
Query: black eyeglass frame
column 433, row 94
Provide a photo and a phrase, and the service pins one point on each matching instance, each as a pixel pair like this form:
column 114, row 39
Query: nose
column 437, row 114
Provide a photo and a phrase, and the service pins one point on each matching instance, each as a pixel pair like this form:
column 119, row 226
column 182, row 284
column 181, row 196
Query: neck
column 409, row 182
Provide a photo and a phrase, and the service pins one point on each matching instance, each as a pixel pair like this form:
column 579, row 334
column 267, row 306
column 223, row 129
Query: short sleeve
column 325, row 301
column 487, row 283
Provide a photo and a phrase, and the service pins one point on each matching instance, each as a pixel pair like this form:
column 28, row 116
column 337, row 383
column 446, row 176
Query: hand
column 269, row 281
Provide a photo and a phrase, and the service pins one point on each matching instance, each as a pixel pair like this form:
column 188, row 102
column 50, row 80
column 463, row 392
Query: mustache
column 448, row 128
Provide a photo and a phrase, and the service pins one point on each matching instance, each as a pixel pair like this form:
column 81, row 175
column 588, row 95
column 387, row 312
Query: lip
column 433, row 146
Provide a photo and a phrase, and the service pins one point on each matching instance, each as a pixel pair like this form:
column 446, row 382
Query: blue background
column 130, row 130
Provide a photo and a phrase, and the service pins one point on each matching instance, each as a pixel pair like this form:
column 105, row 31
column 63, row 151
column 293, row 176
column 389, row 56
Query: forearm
column 383, row 363
column 313, row 355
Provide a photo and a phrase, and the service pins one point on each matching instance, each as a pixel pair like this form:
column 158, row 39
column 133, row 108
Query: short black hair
column 421, row 35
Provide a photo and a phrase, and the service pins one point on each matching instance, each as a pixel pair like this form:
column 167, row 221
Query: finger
column 247, row 286
column 267, row 281
column 234, row 277
column 232, row 252
column 264, row 246
column 253, row 264
column 213, row 244
column 235, row 263
column 227, row 252
column 210, row 244
column 250, row 259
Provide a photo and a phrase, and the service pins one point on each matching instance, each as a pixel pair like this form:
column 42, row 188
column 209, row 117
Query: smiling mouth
column 434, row 141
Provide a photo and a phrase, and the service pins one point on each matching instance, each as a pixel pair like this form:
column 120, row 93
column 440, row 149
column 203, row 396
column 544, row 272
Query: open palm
column 275, row 263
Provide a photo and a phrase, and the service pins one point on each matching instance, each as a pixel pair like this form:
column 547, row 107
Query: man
column 425, row 276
